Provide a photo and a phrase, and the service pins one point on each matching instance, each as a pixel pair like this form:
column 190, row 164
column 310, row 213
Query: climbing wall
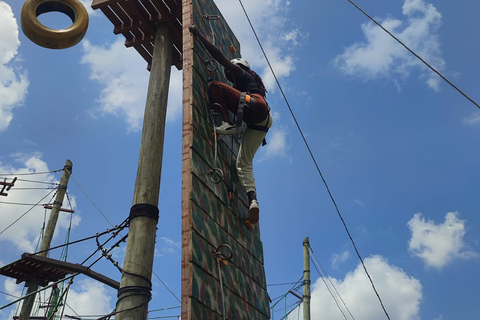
column 214, row 205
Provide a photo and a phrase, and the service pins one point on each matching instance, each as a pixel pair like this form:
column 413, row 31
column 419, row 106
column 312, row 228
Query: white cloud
column 124, row 78
column 340, row 258
column 166, row 246
column 88, row 5
column 438, row 244
column 473, row 119
column 14, row 292
column 380, row 56
column 23, row 235
column 277, row 146
column 269, row 18
column 89, row 297
column 85, row 297
column 360, row 203
column 13, row 81
column 401, row 294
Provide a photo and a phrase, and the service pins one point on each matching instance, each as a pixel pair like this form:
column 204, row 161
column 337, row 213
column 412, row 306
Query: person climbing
column 245, row 99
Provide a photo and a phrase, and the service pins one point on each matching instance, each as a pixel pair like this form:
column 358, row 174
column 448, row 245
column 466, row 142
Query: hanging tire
column 54, row 38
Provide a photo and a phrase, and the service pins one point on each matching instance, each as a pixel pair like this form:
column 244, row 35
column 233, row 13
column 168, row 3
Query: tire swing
column 54, row 38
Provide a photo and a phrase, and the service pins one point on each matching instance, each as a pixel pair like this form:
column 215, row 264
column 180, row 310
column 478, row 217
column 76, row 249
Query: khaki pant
column 251, row 141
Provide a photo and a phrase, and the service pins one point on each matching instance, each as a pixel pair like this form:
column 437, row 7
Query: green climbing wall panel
column 213, row 207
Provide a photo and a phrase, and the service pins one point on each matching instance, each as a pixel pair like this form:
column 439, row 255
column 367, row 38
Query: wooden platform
column 49, row 270
column 137, row 19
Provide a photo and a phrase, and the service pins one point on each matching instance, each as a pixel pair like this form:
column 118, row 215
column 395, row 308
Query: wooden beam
column 47, row 206
column 71, row 268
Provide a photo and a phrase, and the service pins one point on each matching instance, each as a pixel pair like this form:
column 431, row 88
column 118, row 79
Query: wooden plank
column 63, row 267
column 48, row 270
column 136, row 20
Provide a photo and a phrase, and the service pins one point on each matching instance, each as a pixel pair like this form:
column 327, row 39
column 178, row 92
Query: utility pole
column 47, row 238
column 135, row 286
column 306, row 279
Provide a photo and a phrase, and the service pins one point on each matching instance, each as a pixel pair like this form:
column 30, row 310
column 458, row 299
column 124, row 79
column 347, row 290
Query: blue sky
column 396, row 144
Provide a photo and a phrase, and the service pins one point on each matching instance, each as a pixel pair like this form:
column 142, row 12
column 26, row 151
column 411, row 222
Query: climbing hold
column 249, row 225
column 54, row 38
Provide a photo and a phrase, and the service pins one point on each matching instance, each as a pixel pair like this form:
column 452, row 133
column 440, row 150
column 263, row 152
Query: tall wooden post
column 135, row 286
column 306, row 279
column 47, row 238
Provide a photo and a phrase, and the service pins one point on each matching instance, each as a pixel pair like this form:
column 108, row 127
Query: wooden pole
column 306, row 279
column 47, row 239
column 135, row 287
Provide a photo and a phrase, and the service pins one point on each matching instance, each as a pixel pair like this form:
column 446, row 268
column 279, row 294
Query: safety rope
column 222, row 258
column 210, row 18
column 39, row 290
column 66, row 295
column 215, row 174
column 53, row 292
column 232, row 170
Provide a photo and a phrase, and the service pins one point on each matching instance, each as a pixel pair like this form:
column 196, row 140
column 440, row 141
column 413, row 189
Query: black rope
column 316, row 164
column 84, row 239
column 31, row 173
column 416, row 55
column 33, row 206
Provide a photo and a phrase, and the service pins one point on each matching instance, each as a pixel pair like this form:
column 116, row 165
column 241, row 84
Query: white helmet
column 241, row 62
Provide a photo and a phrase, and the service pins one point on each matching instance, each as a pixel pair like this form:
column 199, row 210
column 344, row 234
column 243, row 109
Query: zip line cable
column 33, row 206
column 34, row 188
column 38, row 204
column 328, row 282
column 281, row 284
column 39, row 290
column 165, row 285
column 34, row 181
column 416, row 55
column 295, row 286
column 315, row 162
column 91, row 200
column 30, row 173
column 296, row 304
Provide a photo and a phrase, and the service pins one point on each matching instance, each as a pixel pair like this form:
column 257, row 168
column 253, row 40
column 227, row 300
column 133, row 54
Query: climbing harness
column 245, row 99
column 241, row 105
column 261, row 128
column 224, row 259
